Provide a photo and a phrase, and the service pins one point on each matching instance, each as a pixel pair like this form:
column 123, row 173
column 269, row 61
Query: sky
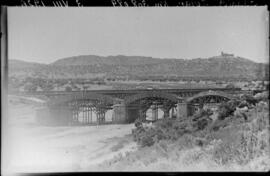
column 45, row 34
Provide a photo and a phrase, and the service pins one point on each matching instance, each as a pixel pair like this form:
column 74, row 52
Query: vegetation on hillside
column 143, row 68
column 105, row 71
column 30, row 84
column 237, row 140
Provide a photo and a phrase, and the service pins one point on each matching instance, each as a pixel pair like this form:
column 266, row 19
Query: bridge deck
column 129, row 91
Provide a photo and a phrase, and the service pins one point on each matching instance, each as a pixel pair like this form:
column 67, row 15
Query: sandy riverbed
column 34, row 148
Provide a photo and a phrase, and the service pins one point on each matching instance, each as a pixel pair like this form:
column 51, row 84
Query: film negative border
column 80, row 3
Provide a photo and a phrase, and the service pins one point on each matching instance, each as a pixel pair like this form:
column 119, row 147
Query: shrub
column 137, row 132
column 165, row 123
column 243, row 104
column 165, row 129
column 147, row 140
column 261, row 106
column 138, row 123
column 202, row 124
column 202, row 113
column 223, row 113
column 249, row 99
column 227, row 108
column 237, row 146
column 223, row 153
column 264, row 96
column 250, row 142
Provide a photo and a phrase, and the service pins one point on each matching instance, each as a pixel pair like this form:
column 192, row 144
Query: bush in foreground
column 236, row 145
column 165, row 129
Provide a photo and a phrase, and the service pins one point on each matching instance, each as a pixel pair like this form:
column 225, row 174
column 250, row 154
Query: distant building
column 226, row 54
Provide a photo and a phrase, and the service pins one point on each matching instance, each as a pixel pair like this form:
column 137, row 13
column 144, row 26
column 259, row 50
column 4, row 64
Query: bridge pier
column 133, row 113
column 154, row 109
column 171, row 115
column 75, row 115
column 119, row 113
column 143, row 110
column 182, row 110
column 166, row 111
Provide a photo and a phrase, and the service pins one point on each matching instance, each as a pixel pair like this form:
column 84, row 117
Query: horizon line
column 235, row 56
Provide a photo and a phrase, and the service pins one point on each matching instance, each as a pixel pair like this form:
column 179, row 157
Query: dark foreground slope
column 233, row 142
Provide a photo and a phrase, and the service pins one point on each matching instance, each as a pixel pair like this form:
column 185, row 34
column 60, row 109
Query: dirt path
column 34, row 148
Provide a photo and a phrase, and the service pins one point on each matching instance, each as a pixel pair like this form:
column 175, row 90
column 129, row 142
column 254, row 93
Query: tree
column 68, row 89
column 230, row 86
column 30, row 88
column 226, row 109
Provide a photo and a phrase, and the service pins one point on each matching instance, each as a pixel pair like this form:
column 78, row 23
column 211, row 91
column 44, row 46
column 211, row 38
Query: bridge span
column 125, row 106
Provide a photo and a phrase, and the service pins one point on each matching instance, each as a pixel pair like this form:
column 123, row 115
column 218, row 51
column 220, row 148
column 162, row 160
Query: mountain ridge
column 135, row 56
column 84, row 66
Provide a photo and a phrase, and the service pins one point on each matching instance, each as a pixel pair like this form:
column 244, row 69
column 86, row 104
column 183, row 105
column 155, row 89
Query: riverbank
column 35, row 148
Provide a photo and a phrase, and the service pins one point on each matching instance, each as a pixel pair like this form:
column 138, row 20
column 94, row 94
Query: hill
column 142, row 68
column 17, row 64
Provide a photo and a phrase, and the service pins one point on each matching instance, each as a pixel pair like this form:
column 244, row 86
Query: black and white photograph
column 152, row 89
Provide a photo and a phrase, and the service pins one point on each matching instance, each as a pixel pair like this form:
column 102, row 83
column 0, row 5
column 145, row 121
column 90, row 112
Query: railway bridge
column 125, row 106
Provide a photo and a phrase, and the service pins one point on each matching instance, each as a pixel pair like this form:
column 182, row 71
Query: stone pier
column 154, row 109
column 119, row 113
column 182, row 110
